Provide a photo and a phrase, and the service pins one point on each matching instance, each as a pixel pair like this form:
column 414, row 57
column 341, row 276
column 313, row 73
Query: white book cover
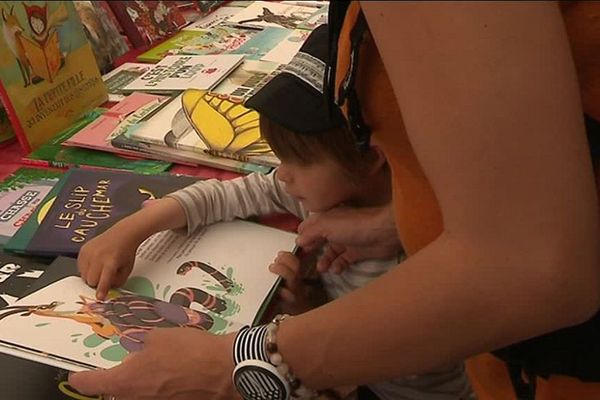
column 287, row 48
column 180, row 72
column 213, row 19
column 121, row 76
column 247, row 79
column 262, row 14
column 216, row 280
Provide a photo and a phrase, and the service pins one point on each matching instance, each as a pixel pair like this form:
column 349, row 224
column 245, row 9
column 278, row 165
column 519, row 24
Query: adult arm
column 489, row 97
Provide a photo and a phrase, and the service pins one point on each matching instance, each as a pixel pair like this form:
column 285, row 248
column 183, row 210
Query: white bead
column 276, row 359
column 283, row 369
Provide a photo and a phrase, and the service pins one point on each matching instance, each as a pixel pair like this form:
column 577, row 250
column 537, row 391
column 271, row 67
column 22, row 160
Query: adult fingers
column 311, row 234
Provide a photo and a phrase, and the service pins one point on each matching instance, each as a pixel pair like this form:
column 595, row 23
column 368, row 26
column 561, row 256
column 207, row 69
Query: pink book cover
column 96, row 135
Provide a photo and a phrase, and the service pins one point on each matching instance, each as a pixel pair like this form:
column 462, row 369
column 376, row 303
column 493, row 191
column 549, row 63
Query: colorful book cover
column 83, row 204
column 202, row 122
column 263, row 14
column 121, row 76
column 212, row 20
column 54, row 154
column 215, row 280
column 107, row 42
column 49, row 76
column 176, row 73
column 288, row 47
column 98, row 134
column 20, row 194
column 146, row 22
column 262, row 43
column 219, row 40
column 318, row 18
column 247, row 79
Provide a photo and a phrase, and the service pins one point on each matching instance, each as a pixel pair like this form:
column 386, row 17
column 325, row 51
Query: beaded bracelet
column 298, row 390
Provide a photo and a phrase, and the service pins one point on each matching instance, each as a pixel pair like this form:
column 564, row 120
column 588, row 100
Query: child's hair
column 336, row 144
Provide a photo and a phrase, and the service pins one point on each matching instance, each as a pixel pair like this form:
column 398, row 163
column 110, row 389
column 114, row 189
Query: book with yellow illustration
column 48, row 74
column 205, row 122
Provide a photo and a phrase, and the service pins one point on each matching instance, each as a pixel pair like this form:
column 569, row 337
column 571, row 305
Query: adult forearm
column 445, row 303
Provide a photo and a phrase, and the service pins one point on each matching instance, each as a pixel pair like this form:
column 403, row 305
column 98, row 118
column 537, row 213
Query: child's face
column 319, row 186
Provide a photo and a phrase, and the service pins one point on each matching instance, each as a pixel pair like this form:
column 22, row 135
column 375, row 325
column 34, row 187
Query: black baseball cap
column 294, row 98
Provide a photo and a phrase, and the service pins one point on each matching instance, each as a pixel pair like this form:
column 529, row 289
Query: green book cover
column 218, row 40
column 20, row 194
column 53, row 154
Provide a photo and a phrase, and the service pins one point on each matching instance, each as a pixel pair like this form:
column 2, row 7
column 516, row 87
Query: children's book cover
column 20, row 194
column 83, row 204
column 176, row 73
column 49, row 76
column 262, row 43
column 17, row 275
column 262, row 14
column 215, row 280
column 121, row 76
column 54, row 154
column 288, row 47
column 146, row 22
column 247, row 79
column 214, row 124
column 318, row 18
column 98, row 134
column 107, row 42
column 121, row 139
column 218, row 40
column 212, row 20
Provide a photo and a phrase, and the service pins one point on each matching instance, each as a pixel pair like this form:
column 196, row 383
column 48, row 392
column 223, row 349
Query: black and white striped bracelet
column 260, row 372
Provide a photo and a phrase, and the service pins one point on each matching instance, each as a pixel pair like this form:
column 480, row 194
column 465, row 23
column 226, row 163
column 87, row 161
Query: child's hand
column 107, row 260
column 292, row 294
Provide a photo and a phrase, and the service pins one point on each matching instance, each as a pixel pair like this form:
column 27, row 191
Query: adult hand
column 175, row 363
column 350, row 235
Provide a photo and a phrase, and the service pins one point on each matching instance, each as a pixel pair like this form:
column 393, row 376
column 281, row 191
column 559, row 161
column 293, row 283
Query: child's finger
column 289, row 276
column 289, row 260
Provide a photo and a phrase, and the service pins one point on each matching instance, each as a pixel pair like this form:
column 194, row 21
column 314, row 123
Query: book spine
column 14, row 120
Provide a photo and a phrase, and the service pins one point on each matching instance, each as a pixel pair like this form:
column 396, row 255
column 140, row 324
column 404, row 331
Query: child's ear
column 377, row 158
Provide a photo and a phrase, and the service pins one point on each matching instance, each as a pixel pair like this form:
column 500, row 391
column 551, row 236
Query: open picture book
column 215, row 280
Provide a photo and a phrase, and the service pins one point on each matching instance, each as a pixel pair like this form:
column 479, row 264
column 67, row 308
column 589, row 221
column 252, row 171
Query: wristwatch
column 254, row 377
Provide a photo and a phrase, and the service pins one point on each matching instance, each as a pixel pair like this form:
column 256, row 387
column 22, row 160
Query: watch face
column 258, row 380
